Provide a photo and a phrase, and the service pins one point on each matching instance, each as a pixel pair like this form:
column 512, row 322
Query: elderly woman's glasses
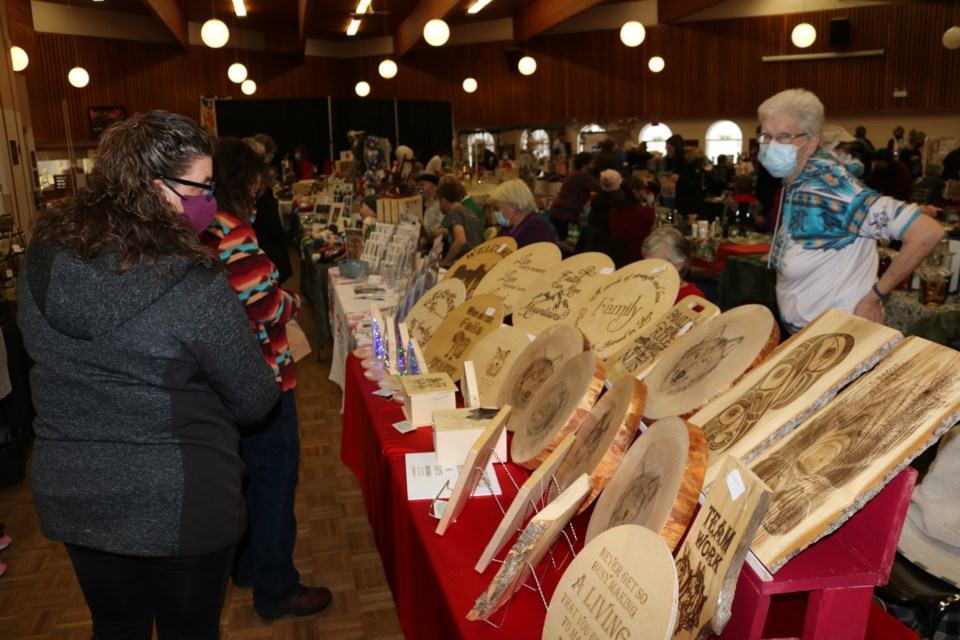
column 782, row 138
column 208, row 189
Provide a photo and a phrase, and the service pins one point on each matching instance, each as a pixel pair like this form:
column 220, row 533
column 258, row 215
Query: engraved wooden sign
column 657, row 484
column 709, row 359
column 476, row 461
column 512, row 276
column 464, row 327
column 845, row 453
column 604, row 437
column 801, row 375
column 493, row 359
column 530, row 548
column 622, row 306
column 537, row 362
column 432, row 307
column 526, row 499
column 644, row 351
column 471, row 268
column 621, row 586
column 556, row 409
column 712, row 554
column 559, row 292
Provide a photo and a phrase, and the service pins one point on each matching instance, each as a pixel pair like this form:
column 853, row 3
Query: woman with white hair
column 667, row 243
column 516, row 211
column 824, row 245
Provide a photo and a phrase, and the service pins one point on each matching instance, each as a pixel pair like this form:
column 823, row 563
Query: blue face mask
column 422, row 192
column 503, row 222
column 779, row 158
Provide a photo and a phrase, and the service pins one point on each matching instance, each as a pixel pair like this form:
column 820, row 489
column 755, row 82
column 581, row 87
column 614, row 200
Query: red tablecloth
column 725, row 250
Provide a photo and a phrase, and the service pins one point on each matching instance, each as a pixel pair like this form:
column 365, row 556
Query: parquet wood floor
column 40, row 598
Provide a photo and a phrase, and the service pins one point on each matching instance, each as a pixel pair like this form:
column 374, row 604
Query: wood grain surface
column 476, row 263
column 512, row 276
column 432, row 307
column 802, row 374
column 494, row 357
column 464, row 327
column 709, row 359
column 825, row 469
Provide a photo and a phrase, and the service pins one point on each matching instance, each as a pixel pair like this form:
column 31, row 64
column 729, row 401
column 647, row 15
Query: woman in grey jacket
column 145, row 364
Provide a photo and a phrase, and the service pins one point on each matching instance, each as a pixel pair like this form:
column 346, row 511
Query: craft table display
column 729, row 249
column 351, row 311
column 904, row 310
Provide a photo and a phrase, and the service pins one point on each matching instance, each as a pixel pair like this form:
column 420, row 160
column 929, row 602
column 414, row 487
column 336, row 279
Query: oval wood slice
column 513, row 275
column 476, row 263
column 460, row 331
column 709, row 359
column 604, row 437
column 432, row 307
column 559, row 292
column 657, row 484
column 624, row 305
column 494, row 357
column 537, row 362
column 556, row 409
column 622, row 585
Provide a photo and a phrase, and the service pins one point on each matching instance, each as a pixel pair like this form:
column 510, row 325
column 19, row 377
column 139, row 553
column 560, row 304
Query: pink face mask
column 199, row 211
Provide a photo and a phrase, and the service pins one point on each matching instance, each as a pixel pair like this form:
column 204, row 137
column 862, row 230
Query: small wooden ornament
column 425, row 393
column 512, row 276
column 468, row 386
column 493, row 359
column 432, row 307
column 621, row 586
column 556, row 409
column 644, row 351
column 803, row 373
column 709, row 359
column 622, row 306
column 466, row 325
column 531, row 491
column 558, row 293
column 477, row 459
column 657, row 484
column 712, row 555
column 471, row 268
column 537, row 362
column 604, row 437
column 530, row 548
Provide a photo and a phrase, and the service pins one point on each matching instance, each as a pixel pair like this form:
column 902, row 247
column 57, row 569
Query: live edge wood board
column 825, row 469
column 494, row 358
column 802, row 374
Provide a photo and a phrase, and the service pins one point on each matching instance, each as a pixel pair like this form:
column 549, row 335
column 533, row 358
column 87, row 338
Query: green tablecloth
column 745, row 279
column 904, row 311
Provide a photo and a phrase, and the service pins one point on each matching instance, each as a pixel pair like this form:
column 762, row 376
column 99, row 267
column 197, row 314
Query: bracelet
column 882, row 296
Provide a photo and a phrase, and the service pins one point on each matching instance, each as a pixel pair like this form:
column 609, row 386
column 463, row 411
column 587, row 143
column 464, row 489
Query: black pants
column 126, row 593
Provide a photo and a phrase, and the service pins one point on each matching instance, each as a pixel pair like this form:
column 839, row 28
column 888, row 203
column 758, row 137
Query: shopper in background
column 574, row 194
column 516, row 211
column 266, row 222
column 667, row 243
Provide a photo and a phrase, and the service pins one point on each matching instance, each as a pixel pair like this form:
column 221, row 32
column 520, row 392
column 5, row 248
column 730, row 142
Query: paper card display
column 426, row 393
column 426, row 478
column 456, row 430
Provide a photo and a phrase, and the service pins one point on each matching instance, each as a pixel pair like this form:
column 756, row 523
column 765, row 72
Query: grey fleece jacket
column 139, row 382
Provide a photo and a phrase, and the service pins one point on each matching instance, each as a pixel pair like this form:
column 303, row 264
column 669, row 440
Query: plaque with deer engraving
column 476, row 263
column 460, row 331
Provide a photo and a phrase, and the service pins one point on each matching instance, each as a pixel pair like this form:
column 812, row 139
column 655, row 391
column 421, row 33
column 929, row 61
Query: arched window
column 724, row 138
column 588, row 137
column 477, row 142
column 655, row 135
column 537, row 142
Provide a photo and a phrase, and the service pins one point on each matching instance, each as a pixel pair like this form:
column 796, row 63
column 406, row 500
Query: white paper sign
column 426, row 477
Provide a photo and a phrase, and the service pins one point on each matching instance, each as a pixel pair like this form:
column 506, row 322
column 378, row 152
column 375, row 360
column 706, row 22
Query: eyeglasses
column 782, row 138
column 208, row 189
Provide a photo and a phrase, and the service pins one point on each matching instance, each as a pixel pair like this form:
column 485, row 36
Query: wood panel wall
column 712, row 70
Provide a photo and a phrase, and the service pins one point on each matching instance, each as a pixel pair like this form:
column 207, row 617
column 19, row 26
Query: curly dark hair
column 122, row 208
column 237, row 170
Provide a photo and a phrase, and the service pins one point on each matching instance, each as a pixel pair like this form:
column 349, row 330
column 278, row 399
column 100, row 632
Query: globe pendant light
column 470, row 85
column 19, row 58
column 249, row 87
column 237, row 72
column 656, row 64
column 803, row 35
column 527, row 65
column 436, row 32
column 951, row 38
column 632, row 33
column 214, row 33
column 78, row 77
column 388, row 69
column 362, row 89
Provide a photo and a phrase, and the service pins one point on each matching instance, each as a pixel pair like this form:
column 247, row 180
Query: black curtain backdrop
column 361, row 114
column 425, row 127
column 288, row 122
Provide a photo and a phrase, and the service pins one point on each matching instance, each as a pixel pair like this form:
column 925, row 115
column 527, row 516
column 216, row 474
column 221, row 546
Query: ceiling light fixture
column 951, row 38
column 214, row 33
column 19, row 58
column 249, row 87
column 470, row 85
column 237, row 73
column 527, row 65
column 803, row 35
column 477, row 6
column 632, row 33
column 363, row 6
column 239, row 8
column 436, row 32
column 362, row 89
column 656, row 64
column 78, row 77
column 388, row 69
column 354, row 27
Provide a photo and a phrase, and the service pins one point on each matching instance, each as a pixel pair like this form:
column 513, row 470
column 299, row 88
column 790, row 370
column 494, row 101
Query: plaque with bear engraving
column 709, row 359
column 621, row 586
column 512, row 276
column 622, row 306
column 493, row 359
column 432, row 308
column 477, row 263
column 559, row 292
column 460, row 331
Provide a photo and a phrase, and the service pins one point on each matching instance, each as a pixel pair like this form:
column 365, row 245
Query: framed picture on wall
column 102, row 117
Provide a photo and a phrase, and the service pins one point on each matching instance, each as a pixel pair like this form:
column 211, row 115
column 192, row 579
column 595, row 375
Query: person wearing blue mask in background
column 824, row 246
column 516, row 211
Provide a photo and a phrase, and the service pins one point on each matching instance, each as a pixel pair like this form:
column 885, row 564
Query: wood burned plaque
column 460, row 331
column 558, row 293
column 622, row 585
column 622, row 306
column 846, row 452
column 493, row 359
column 709, row 359
column 431, row 309
column 476, row 263
column 657, row 484
column 802, row 374
column 513, row 275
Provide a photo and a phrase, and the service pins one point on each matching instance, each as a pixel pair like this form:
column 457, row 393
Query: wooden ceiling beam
column 307, row 13
column 672, row 10
column 542, row 15
column 169, row 13
column 410, row 31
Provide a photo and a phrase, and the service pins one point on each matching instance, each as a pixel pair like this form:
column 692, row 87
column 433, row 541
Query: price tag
column 490, row 311
column 735, row 485
column 17, row 248
column 383, row 393
column 501, row 248
column 606, row 271
column 403, row 426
